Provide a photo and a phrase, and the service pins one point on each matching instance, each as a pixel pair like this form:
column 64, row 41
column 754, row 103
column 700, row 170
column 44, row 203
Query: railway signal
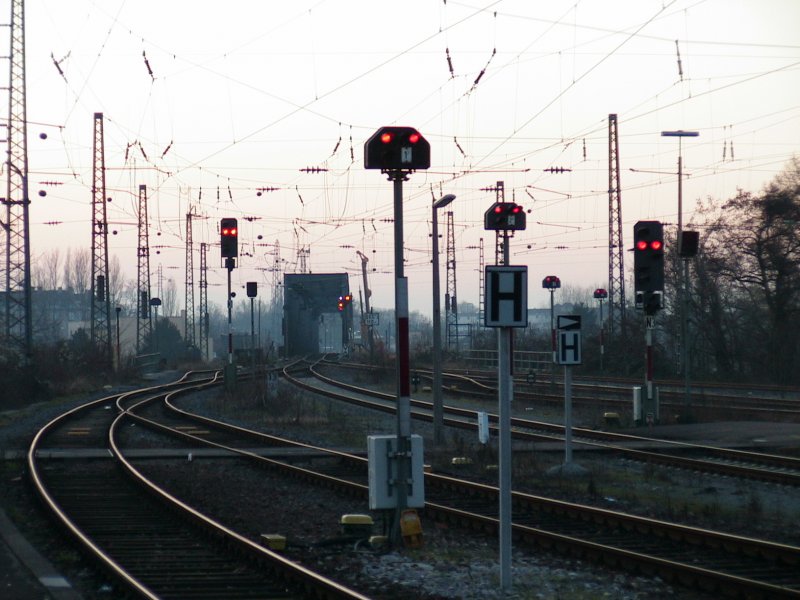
column 648, row 256
column 648, row 265
column 397, row 149
column 343, row 301
column 551, row 282
column 504, row 216
column 229, row 238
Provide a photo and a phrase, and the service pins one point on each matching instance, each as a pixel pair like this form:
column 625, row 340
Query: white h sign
column 506, row 296
column 569, row 340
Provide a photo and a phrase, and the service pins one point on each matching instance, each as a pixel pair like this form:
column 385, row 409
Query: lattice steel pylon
column 144, row 325
column 100, row 330
column 481, row 281
column 18, row 321
column 616, row 263
column 188, row 313
column 204, row 301
column 276, row 306
column 451, row 295
column 500, row 196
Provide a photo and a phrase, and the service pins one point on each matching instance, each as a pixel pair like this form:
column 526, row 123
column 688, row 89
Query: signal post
column 506, row 296
column 648, row 279
column 229, row 250
column 397, row 152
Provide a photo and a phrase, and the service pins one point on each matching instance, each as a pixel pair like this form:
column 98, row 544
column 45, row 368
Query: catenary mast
column 16, row 223
column 100, row 329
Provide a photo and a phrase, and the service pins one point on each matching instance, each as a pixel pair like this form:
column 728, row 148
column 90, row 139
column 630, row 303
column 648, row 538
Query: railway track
column 727, row 564
column 745, row 464
column 708, row 401
column 153, row 545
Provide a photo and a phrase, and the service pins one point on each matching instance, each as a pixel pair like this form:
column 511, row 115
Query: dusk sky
column 229, row 108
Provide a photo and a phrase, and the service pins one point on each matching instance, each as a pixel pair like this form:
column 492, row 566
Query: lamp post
column 684, row 284
column 600, row 294
column 438, row 408
column 119, row 358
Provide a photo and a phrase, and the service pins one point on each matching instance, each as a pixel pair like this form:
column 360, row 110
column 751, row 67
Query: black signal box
column 397, row 149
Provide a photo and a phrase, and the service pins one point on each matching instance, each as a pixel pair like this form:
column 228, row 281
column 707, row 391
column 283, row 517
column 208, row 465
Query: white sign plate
column 506, row 296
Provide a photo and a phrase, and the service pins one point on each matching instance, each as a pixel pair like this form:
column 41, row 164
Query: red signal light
column 656, row 244
column 413, row 138
column 387, row 137
column 641, row 245
column 498, row 209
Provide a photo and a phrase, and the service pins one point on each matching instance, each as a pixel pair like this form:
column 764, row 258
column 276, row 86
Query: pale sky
column 207, row 103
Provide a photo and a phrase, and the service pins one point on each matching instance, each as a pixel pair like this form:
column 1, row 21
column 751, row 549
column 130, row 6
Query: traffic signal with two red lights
column 504, row 216
column 229, row 238
column 397, row 149
column 648, row 256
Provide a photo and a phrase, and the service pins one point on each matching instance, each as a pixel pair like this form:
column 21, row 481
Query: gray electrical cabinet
column 381, row 451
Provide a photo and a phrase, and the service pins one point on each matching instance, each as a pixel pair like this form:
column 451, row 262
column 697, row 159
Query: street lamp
column 600, row 294
column 438, row 408
column 684, row 287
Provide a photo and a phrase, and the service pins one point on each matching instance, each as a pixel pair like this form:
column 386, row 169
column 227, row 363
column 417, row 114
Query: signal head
column 397, row 149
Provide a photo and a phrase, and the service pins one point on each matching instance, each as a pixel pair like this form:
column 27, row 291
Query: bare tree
column 46, row 273
column 169, row 300
column 77, row 270
column 752, row 255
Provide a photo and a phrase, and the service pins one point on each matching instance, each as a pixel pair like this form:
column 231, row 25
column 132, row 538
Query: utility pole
column 188, row 314
column 438, row 405
column 616, row 250
column 16, row 225
column 100, row 329
column 144, row 326
column 366, row 322
column 204, row 350
column 451, row 295
column 684, row 285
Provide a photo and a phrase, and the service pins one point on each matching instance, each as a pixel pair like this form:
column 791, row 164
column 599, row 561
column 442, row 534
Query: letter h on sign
column 569, row 339
column 506, row 296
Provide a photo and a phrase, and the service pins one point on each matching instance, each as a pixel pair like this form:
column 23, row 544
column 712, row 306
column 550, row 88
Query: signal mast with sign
column 397, row 152
column 229, row 250
column 648, row 279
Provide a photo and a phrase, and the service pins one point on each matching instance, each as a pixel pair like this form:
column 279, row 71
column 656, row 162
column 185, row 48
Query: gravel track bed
column 451, row 564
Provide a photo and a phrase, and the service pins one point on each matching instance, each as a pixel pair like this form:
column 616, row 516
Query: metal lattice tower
column 188, row 322
column 144, row 325
column 16, row 225
column 500, row 196
column 451, row 296
column 481, row 281
column 204, row 300
column 100, row 329
column 277, row 275
column 302, row 259
column 616, row 264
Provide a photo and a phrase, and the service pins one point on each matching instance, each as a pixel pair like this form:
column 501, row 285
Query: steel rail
column 527, row 503
column 602, row 439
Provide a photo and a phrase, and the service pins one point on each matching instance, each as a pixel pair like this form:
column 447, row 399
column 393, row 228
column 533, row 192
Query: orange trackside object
column 411, row 528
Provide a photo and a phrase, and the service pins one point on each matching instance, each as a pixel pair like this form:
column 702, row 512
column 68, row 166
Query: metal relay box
column 381, row 451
